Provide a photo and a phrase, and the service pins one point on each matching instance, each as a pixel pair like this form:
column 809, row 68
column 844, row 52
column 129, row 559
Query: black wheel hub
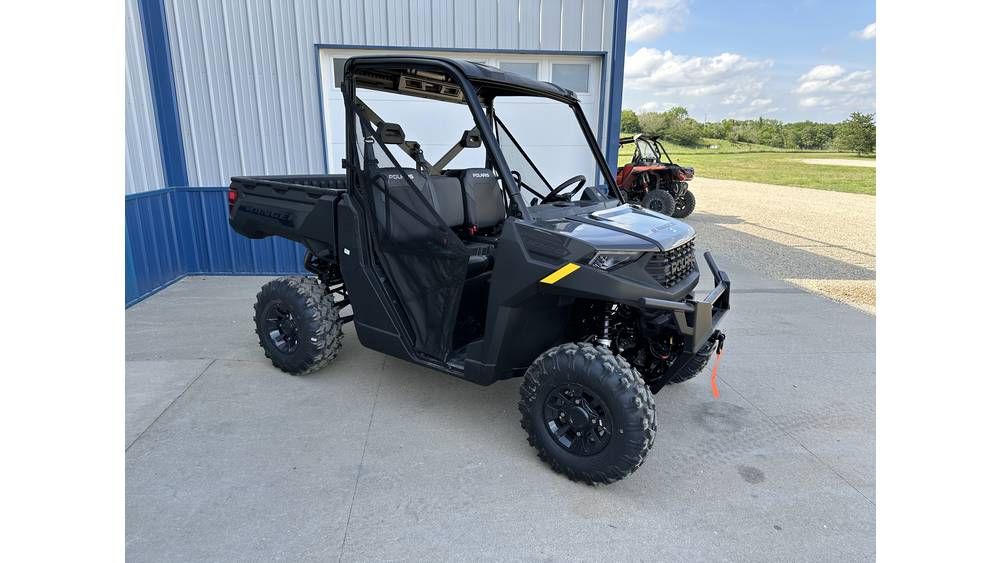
column 681, row 202
column 577, row 419
column 282, row 328
column 655, row 205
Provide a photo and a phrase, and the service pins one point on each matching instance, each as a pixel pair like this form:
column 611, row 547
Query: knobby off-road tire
column 684, row 205
column 298, row 324
column 602, row 379
column 659, row 201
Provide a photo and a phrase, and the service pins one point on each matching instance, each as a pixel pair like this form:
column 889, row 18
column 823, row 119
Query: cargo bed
column 300, row 208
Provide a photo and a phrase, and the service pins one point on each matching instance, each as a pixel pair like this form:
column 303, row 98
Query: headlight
column 611, row 260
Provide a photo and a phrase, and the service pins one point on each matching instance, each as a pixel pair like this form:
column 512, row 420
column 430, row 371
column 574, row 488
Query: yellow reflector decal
column 560, row 273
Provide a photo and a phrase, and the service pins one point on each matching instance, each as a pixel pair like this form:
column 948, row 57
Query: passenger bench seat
column 443, row 193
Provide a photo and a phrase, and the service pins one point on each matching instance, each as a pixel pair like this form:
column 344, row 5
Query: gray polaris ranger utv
column 473, row 258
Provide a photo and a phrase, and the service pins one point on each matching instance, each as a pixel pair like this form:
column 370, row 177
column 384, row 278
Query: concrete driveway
column 372, row 458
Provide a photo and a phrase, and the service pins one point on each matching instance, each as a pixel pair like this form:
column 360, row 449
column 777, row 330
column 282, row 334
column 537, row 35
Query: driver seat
column 484, row 207
column 482, row 198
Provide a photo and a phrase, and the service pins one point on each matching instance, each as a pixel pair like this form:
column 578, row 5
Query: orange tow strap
column 715, row 367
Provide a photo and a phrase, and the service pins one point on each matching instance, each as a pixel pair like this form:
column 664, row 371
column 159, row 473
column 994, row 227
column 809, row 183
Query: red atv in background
column 656, row 185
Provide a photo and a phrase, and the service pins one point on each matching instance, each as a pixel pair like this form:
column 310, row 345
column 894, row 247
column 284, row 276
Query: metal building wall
column 246, row 76
column 143, row 168
column 233, row 89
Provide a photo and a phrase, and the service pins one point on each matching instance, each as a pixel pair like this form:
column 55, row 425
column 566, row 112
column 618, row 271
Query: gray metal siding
column 246, row 72
column 143, row 169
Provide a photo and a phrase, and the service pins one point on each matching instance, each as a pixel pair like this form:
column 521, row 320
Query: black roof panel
column 493, row 79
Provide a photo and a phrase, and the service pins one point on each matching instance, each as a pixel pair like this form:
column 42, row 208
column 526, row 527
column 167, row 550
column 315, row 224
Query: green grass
column 775, row 166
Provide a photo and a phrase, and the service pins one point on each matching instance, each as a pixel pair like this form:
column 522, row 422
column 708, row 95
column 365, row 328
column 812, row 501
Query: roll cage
column 463, row 82
column 650, row 142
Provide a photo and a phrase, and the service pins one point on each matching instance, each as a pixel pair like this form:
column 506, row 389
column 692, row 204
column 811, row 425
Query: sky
column 790, row 60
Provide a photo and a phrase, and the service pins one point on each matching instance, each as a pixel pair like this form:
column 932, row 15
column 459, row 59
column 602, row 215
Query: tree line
column 854, row 134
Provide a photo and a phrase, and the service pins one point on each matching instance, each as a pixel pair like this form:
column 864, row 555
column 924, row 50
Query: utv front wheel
column 684, row 206
column 298, row 324
column 659, row 201
column 588, row 413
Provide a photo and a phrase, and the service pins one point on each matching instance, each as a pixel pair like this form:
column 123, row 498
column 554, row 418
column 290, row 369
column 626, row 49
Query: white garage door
column 559, row 155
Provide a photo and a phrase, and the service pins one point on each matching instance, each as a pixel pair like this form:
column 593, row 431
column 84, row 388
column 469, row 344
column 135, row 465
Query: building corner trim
column 153, row 17
column 617, row 81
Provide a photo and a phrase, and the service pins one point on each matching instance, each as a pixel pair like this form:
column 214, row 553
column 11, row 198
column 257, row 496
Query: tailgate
column 299, row 208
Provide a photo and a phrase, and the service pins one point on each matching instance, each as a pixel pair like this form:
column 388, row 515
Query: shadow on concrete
column 776, row 259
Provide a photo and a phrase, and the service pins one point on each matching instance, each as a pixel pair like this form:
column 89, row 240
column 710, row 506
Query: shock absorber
column 604, row 339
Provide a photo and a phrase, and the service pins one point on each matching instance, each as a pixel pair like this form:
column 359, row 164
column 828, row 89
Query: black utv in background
column 586, row 297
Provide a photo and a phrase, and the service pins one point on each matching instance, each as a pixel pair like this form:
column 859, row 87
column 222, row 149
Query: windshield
column 545, row 146
column 647, row 150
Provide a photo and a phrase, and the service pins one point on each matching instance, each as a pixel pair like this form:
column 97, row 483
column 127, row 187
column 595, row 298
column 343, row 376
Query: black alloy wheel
column 298, row 324
column 684, row 205
column 578, row 420
column 587, row 412
column 281, row 328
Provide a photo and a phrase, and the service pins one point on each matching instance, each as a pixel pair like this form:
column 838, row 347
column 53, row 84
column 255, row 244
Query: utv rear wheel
column 588, row 413
column 684, row 205
column 659, row 201
column 298, row 324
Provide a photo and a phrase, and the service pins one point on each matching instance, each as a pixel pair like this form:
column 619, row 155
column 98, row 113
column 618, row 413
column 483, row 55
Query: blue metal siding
column 211, row 247
column 152, row 257
column 175, row 232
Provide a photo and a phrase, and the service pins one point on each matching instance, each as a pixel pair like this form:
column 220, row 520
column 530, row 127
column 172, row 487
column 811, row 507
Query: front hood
column 626, row 227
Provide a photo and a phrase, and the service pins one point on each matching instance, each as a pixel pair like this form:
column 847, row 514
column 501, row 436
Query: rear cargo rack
column 318, row 184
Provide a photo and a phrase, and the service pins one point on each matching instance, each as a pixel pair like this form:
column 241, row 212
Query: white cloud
column 649, row 19
column 656, row 106
column 733, row 99
column 734, row 85
column 831, row 86
column 814, row 101
column 831, row 78
column 867, row 33
column 646, row 29
column 822, row 72
column 702, row 84
column 650, row 68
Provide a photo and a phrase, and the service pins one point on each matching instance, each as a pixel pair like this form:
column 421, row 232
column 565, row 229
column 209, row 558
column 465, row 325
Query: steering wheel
column 554, row 194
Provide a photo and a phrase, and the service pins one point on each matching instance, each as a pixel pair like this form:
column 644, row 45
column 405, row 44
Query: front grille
column 670, row 267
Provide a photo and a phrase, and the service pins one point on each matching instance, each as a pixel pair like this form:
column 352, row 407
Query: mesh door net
column 423, row 259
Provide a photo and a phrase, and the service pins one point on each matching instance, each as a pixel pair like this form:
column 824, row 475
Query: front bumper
column 695, row 319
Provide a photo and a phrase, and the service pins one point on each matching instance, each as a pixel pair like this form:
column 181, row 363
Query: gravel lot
column 818, row 240
column 841, row 162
